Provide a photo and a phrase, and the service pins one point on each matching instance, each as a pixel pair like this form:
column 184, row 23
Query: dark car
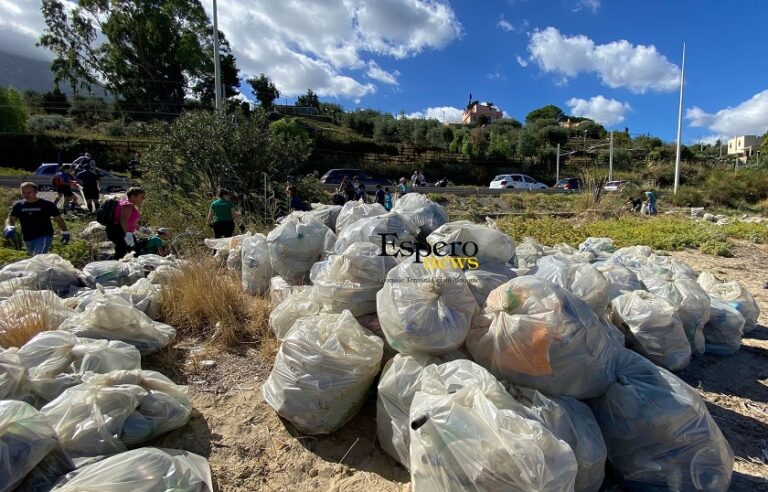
column 569, row 184
column 334, row 176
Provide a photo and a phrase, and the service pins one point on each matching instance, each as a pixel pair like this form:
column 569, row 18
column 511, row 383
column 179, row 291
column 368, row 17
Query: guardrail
column 465, row 190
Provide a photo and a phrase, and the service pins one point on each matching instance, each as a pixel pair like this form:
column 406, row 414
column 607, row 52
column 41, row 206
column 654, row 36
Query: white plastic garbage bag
column 534, row 333
column 327, row 214
column 14, row 383
column 350, row 280
column 112, row 273
column 735, row 294
column 391, row 228
column 153, row 262
column 573, row 422
column 425, row 311
column 142, row 470
column 529, row 251
column 164, row 275
column 223, row 245
column 468, row 433
column 637, row 250
column 486, row 278
column 690, row 300
column 423, row 212
column 352, row 211
column 41, row 272
column 660, row 266
column 578, row 277
column 26, row 438
column 108, row 412
column 257, row 266
column 296, row 244
column 659, row 433
column 322, row 372
column 28, row 312
column 622, row 279
column 490, row 245
column 598, row 246
column 114, row 318
column 296, row 305
column 724, row 329
column 279, row 290
column 143, row 295
column 652, row 328
column 94, row 232
column 57, row 360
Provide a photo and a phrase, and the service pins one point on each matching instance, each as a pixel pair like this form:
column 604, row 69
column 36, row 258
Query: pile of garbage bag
column 142, row 470
column 392, row 228
column 735, row 294
column 425, row 311
column 423, row 212
column 658, row 431
column 652, row 328
column 296, row 244
column 41, row 272
column 256, row 265
column 142, row 294
column 352, row 211
column 534, row 333
column 577, row 277
column 107, row 413
column 491, row 245
column 322, row 372
column 113, row 273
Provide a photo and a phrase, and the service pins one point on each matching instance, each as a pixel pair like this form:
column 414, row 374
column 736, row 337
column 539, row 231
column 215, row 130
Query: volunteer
column 35, row 214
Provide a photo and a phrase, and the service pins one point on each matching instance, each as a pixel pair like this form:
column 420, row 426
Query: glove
column 65, row 237
column 242, row 228
column 9, row 232
column 145, row 230
column 129, row 239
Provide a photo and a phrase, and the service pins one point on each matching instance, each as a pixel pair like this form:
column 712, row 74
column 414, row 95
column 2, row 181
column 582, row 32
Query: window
column 499, row 177
column 529, row 179
column 517, row 178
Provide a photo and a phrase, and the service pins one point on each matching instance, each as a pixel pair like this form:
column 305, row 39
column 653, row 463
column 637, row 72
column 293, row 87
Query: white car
column 517, row 181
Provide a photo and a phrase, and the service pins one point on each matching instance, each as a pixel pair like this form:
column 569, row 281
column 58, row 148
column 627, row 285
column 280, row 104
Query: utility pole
column 679, row 125
column 216, row 61
column 557, row 164
column 610, row 159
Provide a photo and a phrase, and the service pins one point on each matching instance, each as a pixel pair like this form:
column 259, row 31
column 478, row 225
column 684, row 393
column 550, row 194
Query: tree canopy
column 547, row 112
column 151, row 54
column 265, row 90
column 13, row 110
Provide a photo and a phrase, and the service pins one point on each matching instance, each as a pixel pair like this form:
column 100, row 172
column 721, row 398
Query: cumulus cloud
column 748, row 118
column 377, row 73
column 446, row 114
column 505, row 25
column 638, row 68
column 599, row 108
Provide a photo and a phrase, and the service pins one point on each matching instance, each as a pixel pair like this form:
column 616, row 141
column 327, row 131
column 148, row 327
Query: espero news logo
column 439, row 256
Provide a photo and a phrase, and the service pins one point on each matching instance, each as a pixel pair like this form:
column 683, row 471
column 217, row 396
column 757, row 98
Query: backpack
column 56, row 181
column 106, row 212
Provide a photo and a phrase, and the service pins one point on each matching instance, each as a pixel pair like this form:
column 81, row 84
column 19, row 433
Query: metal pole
column 610, row 160
column 679, row 125
column 557, row 165
column 216, row 61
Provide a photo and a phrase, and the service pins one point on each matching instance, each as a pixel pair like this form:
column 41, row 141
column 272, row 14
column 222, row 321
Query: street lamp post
column 216, row 62
column 610, row 159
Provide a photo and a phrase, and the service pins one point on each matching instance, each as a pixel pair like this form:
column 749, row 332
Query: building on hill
column 479, row 110
column 744, row 147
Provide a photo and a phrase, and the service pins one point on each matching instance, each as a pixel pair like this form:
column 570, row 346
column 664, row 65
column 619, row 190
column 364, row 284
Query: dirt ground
column 250, row 448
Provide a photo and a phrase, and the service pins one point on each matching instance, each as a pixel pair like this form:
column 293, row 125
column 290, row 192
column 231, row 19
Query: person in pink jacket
column 125, row 222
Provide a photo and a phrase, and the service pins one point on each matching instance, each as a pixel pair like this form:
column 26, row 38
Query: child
column 387, row 199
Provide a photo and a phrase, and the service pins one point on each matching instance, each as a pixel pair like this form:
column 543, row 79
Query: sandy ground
column 250, row 448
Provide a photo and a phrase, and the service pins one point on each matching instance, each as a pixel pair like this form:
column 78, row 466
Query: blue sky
column 613, row 60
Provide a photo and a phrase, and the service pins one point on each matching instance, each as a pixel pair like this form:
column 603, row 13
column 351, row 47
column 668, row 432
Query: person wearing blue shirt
column 651, row 198
column 295, row 203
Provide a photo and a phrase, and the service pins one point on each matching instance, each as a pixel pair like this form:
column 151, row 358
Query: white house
column 744, row 146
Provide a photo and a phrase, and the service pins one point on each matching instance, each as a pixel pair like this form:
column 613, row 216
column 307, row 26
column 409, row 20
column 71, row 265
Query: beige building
column 478, row 110
column 744, row 146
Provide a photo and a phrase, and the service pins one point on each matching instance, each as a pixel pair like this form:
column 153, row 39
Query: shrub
column 44, row 123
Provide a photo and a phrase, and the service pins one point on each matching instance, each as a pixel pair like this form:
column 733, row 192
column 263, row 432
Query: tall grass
column 28, row 313
column 208, row 302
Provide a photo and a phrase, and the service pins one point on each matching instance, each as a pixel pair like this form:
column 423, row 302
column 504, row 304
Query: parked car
column 109, row 182
column 569, row 184
column 516, row 181
column 620, row 185
column 334, row 176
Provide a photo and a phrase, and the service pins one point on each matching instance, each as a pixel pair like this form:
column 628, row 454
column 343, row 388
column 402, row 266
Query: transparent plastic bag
column 114, row 318
column 578, row 277
column 534, row 333
column 94, row 232
column 41, row 272
column 486, row 278
column 598, row 246
column 652, row 328
column 370, row 230
column 322, row 372
column 57, row 360
column 143, row 295
column 296, row 244
column 659, row 433
column 573, row 422
column 735, row 294
column 352, row 211
column 142, row 470
column 423, row 212
column 164, row 275
column 690, row 300
column 493, row 246
column 280, row 290
column 468, row 433
column 327, row 214
column 14, row 383
column 622, row 279
column 256, row 265
column 425, row 311
column 26, row 438
column 112, row 273
column 528, row 252
column 350, row 280
column 295, row 306
column 637, row 250
column 109, row 412
column 28, row 312
column 724, row 329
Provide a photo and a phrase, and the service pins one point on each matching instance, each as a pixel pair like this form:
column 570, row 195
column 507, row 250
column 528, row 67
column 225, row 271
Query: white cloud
column 521, row 61
column 593, row 5
column 377, row 73
column 638, row 68
column 21, row 24
column 446, row 114
column 496, row 76
column 599, row 108
column 505, row 24
column 748, row 118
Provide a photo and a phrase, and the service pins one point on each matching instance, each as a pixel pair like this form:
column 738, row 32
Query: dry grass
column 207, row 301
column 26, row 314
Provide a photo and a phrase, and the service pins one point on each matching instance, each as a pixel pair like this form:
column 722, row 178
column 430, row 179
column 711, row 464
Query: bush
column 690, row 197
column 44, row 123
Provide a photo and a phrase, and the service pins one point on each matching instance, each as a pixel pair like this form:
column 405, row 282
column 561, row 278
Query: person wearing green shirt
column 157, row 244
column 222, row 215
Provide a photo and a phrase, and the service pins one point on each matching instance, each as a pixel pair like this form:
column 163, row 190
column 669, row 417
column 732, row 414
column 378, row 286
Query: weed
column 28, row 313
column 749, row 231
